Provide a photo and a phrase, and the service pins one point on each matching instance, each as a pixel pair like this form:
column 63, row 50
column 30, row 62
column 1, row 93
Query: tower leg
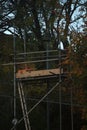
column 24, row 106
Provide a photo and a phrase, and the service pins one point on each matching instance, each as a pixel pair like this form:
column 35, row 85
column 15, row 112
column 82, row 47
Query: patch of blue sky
column 77, row 19
column 10, row 31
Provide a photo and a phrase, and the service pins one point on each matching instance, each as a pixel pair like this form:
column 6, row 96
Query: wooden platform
column 38, row 73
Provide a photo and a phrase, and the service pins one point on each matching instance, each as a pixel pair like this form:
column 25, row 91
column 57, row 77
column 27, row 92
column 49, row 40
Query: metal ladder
column 23, row 105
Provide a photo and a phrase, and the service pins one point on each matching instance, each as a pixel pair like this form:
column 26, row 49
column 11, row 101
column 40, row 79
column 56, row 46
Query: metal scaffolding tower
column 39, row 74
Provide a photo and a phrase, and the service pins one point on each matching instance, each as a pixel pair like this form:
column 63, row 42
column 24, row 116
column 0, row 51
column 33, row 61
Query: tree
column 77, row 62
column 44, row 21
column 40, row 19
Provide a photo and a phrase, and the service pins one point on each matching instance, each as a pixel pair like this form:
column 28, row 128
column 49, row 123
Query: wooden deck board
column 38, row 73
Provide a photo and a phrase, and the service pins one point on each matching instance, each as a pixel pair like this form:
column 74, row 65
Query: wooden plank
column 38, row 73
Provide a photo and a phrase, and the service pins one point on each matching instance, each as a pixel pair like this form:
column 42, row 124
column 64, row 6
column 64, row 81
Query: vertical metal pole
column 24, row 44
column 14, row 48
column 60, row 94
column 71, row 94
column 71, row 109
column 47, row 67
column 48, row 113
column 47, row 53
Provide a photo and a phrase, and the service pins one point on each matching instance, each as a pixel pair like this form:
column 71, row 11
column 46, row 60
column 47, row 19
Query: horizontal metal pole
column 36, row 61
column 40, row 57
column 37, row 52
column 29, row 62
